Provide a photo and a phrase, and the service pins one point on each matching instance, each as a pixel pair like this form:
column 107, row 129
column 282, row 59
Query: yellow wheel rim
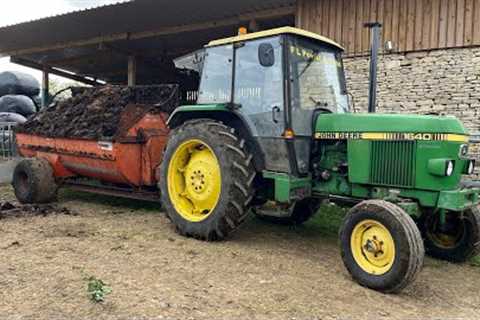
column 373, row 247
column 194, row 180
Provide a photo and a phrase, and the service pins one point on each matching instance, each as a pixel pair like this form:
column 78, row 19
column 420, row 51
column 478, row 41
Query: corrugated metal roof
column 96, row 42
column 65, row 13
column 125, row 17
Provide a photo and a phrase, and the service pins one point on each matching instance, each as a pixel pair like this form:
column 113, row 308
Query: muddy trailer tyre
column 381, row 246
column 206, row 180
column 458, row 241
column 303, row 211
column 33, row 181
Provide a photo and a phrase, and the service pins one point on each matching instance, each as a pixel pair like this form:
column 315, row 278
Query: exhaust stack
column 375, row 28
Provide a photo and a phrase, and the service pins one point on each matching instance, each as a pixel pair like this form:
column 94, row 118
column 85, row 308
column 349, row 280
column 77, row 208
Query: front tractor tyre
column 34, row 182
column 207, row 180
column 457, row 240
column 381, row 246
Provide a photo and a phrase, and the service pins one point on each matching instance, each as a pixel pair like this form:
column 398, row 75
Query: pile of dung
column 13, row 210
column 95, row 113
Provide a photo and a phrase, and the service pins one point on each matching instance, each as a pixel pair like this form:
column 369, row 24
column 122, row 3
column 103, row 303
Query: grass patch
column 328, row 219
column 475, row 261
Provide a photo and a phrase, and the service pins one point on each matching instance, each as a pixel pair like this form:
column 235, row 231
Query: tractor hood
column 388, row 123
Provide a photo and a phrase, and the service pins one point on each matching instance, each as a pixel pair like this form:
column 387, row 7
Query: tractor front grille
column 393, row 163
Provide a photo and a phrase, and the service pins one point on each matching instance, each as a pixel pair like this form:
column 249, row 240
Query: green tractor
column 273, row 133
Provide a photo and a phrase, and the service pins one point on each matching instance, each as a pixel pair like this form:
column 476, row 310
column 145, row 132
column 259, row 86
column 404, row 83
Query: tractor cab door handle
column 275, row 111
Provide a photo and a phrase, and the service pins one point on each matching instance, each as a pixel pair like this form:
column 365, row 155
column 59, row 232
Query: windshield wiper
column 309, row 63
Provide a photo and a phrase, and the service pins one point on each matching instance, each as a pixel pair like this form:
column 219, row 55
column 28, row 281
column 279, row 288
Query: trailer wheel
column 206, row 180
column 302, row 211
column 458, row 241
column 33, row 181
column 381, row 246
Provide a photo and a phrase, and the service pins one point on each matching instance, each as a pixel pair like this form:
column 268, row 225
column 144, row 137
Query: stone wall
column 446, row 82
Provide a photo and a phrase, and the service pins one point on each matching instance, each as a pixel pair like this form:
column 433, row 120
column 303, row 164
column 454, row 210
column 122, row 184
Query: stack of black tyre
column 19, row 95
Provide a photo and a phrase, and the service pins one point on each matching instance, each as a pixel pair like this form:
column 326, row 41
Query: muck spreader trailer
column 272, row 133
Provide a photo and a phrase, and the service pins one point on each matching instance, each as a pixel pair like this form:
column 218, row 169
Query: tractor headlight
column 470, row 167
column 441, row 167
column 449, row 168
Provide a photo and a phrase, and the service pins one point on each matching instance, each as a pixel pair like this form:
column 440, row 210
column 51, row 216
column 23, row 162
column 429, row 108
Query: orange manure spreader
column 77, row 153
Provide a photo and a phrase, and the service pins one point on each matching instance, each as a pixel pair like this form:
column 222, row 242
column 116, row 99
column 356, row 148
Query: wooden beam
column 259, row 15
column 60, row 73
column 132, row 71
column 45, row 87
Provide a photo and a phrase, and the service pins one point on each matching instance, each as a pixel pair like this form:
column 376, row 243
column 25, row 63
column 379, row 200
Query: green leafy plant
column 97, row 290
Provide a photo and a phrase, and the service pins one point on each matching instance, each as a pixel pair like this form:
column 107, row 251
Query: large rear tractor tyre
column 206, row 180
column 302, row 211
column 381, row 246
column 458, row 240
column 34, row 182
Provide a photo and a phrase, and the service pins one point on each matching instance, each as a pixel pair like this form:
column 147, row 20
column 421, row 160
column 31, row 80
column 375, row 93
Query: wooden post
column 45, row 88
column 132, row 71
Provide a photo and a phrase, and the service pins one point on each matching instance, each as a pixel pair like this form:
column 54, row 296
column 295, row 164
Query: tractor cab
column 275, row 82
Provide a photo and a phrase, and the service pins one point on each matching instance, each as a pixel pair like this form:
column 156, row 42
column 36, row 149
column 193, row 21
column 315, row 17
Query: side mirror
column 266, row 54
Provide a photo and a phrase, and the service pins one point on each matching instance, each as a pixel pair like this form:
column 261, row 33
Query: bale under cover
column 96, row 113
column 18, row 83
column 22, row 105
column 12, row 117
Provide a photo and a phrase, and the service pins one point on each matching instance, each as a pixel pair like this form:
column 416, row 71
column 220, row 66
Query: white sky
column 16, row 11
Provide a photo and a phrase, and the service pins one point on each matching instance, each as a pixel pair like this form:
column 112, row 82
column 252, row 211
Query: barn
column 430, row 62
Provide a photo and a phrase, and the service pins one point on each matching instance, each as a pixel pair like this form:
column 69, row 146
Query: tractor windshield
column 317, row 77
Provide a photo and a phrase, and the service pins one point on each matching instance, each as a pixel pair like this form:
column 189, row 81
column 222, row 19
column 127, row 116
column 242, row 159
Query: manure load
column 96, row 113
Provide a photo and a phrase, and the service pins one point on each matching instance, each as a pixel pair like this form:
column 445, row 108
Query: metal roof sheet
column 124, row 18
column 87, row 8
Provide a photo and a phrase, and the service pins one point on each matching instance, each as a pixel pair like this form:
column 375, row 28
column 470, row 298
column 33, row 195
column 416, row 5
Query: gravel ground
column 263, row 272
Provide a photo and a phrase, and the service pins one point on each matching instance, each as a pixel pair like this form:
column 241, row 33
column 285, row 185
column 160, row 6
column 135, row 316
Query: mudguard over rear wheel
column 381, row 246
column 206, row 179
column 34, row 182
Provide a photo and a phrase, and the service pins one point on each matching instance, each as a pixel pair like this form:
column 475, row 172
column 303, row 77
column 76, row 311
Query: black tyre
column 458, row 240
column 33, row 181
column 381, row 246
column 207, row 180
column 302, row 211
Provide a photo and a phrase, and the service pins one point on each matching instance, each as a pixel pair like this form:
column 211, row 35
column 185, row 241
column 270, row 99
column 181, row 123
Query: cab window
column 259, row 88
column 216, row 83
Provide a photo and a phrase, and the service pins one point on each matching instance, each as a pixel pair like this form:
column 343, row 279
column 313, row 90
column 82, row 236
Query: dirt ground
column 263, row 272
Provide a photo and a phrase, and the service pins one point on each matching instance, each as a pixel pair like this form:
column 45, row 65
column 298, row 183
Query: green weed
column 97, row 290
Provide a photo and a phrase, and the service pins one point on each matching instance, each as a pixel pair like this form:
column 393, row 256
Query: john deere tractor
column 273, row 133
